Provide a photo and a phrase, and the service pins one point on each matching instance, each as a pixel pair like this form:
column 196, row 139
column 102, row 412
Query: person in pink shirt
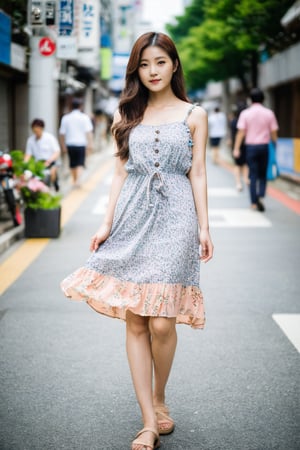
column 258, row 126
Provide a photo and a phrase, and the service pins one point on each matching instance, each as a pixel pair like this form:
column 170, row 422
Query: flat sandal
column 156, row 443
column 162, row 414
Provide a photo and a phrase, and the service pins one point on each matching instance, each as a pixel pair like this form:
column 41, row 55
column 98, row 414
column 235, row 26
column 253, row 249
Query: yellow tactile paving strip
column 17, row 263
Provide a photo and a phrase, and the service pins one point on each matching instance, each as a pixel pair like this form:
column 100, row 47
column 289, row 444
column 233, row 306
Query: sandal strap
column 144, row 430
column 139, row 442
column 163, row 411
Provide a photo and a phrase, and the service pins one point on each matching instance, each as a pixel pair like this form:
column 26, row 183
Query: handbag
column 272, row 168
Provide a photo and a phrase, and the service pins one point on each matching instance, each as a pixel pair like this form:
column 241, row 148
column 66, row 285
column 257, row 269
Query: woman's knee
column 135, row 324
column 161, row 327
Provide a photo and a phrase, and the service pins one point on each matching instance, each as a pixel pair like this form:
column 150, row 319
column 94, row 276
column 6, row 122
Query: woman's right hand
column 100, row 236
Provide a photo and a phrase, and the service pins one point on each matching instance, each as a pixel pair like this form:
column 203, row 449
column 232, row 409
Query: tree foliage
column 222, row 38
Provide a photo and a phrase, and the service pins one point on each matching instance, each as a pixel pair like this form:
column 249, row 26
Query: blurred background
column 51, row 50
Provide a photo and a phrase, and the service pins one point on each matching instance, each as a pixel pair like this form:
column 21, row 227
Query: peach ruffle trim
column 112, row 297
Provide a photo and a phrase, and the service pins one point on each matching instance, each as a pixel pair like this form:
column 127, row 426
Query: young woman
column 145, row 262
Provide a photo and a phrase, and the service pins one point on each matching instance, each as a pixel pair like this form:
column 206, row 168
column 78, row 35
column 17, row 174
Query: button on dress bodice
column 169, row 146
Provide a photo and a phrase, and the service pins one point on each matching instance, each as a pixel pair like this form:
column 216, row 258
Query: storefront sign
column 5, row 32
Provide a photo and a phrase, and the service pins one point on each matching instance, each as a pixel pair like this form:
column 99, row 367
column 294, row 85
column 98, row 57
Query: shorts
column 76, row 156
column 241, row 160
column 214, row 141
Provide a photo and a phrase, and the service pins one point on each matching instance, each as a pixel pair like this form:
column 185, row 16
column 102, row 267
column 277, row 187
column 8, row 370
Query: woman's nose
column 153, row 70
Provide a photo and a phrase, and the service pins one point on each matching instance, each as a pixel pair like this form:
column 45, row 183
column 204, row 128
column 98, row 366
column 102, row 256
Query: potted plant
column 42, row 208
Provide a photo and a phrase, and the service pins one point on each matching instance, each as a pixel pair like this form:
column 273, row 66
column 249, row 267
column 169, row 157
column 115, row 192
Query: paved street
column 65, row 382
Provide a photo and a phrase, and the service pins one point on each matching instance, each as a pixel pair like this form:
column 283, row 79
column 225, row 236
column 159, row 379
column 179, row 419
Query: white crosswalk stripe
column 218, row 218
column 290, row 325
column 100, row 207
column 234, row 217
column 222, row 192
column 237, row 217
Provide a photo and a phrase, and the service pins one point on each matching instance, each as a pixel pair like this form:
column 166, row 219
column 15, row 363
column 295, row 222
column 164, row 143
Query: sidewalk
column 10, row 234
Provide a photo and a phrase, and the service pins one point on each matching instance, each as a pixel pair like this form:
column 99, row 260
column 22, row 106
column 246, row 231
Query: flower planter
column 42, row 223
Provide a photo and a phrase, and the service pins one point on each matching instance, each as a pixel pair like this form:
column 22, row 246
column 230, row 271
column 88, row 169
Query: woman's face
column 156, row 69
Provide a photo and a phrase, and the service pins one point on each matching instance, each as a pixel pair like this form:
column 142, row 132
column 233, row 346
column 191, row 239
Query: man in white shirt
column 76, row 137
column 43, row 146
column 217, row 130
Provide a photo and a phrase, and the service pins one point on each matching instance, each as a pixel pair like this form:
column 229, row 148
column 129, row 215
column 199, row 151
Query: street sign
column 47, row 46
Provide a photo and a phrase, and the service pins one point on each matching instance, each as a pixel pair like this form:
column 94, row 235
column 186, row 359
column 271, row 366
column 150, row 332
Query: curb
column 8, row 238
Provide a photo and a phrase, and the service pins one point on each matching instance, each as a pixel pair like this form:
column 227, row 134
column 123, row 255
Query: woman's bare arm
column 198, row 179
column 119, row 177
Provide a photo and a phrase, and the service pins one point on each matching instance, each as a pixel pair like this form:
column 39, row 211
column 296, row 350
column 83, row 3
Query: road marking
column 290, row 203
column 237, row 218
column 15, row 265
column 27, row 252
column 222, row 192
column 101, row 205
column 74, row 199
column 290, row 325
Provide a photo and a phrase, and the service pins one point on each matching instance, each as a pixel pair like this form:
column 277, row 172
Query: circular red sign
column 47, row 46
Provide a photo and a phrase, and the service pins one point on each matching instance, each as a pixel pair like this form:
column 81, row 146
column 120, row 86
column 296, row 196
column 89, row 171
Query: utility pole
column 43, row 86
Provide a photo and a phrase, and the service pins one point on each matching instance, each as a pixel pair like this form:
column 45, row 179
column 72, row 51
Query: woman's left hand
column 206, row 246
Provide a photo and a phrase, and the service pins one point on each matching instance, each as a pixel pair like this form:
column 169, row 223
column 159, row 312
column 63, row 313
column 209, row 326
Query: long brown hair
column 134, row 97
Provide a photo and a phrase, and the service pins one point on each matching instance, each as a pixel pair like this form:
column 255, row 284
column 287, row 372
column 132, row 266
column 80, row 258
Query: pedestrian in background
column 43, row 146
column 257, row 125
column 76, row 138
column 217, row 128
column 241, row 174
column 145, row 262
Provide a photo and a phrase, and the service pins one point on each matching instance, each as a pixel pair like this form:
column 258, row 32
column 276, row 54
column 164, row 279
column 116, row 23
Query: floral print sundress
column 149, row 264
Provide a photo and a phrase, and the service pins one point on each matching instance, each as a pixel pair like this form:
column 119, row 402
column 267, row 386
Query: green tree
column 192, row 17
column 227, row 38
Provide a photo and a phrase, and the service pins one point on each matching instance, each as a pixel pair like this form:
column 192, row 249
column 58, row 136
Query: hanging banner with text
column 89, row 34
column 66, row 17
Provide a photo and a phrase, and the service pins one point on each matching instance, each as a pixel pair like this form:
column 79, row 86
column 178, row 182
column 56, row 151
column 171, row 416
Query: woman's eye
column 143, row 65
column 161, row 62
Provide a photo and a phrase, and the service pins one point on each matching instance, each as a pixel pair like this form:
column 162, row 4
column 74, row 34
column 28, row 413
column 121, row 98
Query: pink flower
column 36, row 185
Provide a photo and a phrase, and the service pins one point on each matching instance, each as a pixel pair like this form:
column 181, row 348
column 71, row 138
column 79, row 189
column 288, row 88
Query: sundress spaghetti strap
column 149, row 264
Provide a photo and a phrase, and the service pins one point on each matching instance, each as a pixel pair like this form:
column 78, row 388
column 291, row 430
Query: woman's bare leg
column 164, row 341
column 138, row 345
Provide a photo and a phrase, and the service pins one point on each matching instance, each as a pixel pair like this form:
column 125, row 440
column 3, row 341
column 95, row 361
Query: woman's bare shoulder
column 197, row 118
column 199, row 113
